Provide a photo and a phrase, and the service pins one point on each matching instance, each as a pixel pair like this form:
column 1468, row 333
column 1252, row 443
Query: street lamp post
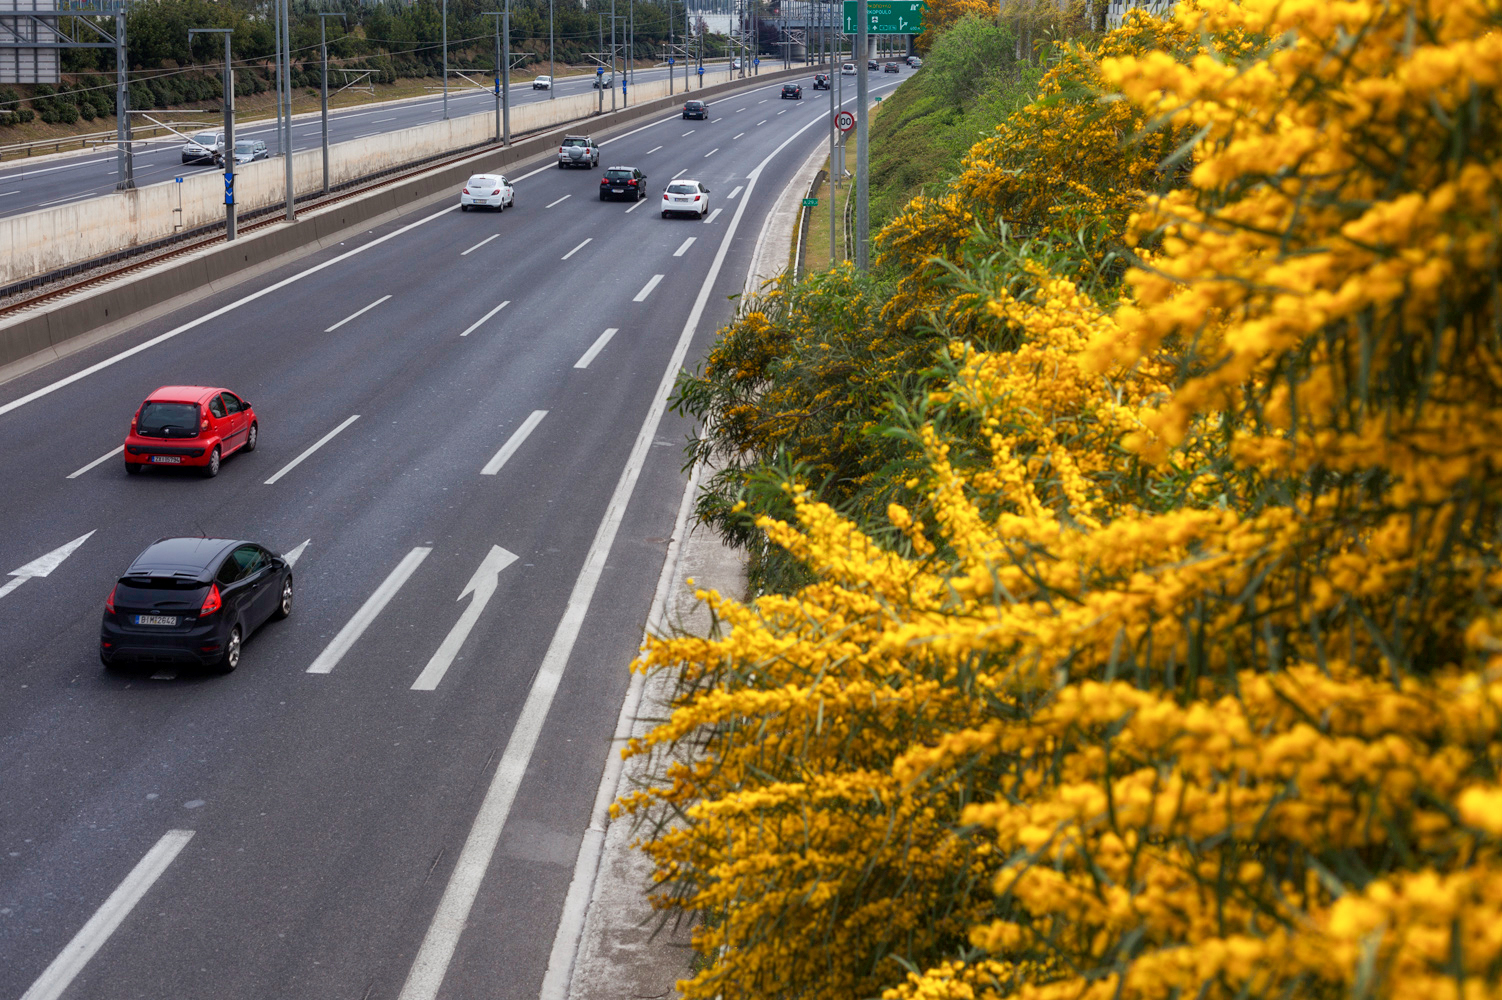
column 552, row 70
column 229, row 126
column 286, row 87
column 862, row 137
column 445, row 59
column 502, row 72
column 323, row 47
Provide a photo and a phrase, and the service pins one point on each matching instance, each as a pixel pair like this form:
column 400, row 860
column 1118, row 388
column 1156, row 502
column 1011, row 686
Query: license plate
column 156, row 619
column 167, row 459
column 617, row 190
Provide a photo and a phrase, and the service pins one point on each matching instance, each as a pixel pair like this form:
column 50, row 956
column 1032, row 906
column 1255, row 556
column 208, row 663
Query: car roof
column 684, row 180
column 190, row 558
column 620, row 168
column 182, row 394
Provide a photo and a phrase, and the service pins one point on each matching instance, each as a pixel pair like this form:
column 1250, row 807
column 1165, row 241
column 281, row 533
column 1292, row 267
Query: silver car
column 578, row 151
column 204, row 146
column 543, row 83
column 250, row 150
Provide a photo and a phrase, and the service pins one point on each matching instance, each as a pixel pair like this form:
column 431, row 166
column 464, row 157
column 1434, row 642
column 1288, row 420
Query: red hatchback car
column 190, row 425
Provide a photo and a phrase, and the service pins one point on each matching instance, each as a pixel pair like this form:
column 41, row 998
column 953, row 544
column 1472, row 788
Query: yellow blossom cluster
column 1184, row 678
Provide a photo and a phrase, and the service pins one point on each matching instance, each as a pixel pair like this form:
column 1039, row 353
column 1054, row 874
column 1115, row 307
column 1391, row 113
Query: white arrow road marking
column 98, row 461
column 71, row 960
column 372, row 607
column 44, row 565
column 513, row 443
column 482, row 585
column 481, row 321
column 296, row 553
column 596, row 347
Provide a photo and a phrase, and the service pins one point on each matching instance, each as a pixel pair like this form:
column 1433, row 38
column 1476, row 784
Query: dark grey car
column 193, row 601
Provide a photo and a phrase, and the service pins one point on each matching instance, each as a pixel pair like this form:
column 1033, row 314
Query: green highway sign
column 888, row 17
column 810, row 202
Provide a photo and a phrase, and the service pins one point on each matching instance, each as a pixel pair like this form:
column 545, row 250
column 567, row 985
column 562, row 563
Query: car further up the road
column 190, row 425
column 193, row 601
column 543, row 83
column 695, row 109
column 914, row 61
column 821, row 81
column 249, row 150
column 578, row 151
column 487, row 191
column 204, row 147
column 871, row 64
column 890, row 67
column 623, row 182
column 685, row 196
column 848, row 69
column 791, row 91
column 605, row 82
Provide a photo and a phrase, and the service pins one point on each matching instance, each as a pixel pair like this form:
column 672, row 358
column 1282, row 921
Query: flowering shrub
column 1178, row 673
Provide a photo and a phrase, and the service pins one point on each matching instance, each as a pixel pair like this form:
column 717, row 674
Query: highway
column 28, row 185
column 428, row 391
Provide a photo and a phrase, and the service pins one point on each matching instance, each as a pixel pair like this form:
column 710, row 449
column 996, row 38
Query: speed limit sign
column 844, row 121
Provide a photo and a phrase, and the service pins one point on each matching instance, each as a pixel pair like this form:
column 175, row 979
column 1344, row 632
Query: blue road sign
column 229, row 189
column 599, row 71
column 670, row 60
column 498, row 86
column 756, row 61
column 701, row 70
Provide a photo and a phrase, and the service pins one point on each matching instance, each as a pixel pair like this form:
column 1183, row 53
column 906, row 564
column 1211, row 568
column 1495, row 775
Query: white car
column 685, row 196
column 543, row 83
column 203, row 146
column 487, row 191
column 848, row 69
column 736, row 63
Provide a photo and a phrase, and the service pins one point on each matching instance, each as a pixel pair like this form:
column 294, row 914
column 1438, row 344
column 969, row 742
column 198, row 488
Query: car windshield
column 206, row 138
column 168, row 420
column 245, row 147
column 681, row 188
column 618, row 175
column 575, row 141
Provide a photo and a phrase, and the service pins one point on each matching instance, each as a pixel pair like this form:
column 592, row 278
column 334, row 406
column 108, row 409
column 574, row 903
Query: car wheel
column 284, row 606
column 464, row 208
column 212, row 469
column 252, row 436
column 602, row 196
column 664, row 215
column 231, row 652
column 133, row 468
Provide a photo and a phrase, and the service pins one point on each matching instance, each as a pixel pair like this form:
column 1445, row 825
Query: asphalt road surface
column 281, row 833
column 26, row 186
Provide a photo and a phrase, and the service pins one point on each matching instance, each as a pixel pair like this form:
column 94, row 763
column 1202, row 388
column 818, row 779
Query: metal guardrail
column 808, row 214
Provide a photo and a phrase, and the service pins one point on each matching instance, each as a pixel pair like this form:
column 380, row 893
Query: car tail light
column 632, row 183
column 211, row 603
column 496, row 191
column 466, row 190
column 109, row 602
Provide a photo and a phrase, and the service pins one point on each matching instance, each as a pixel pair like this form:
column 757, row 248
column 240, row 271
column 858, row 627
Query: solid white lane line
column 711, row 152
column 576, row 249
column 646, row 290
column 373, row 606
column 712, row 216
column 552, row 203
column 483, row 586
column 732, row 194
column 639, row 204
column 513, row 442
column 101, row 459
column 76, row 954
column 296, row 553
column 652, row 150
column 442, row 938
column 690, row 132
column 596, row 347
column 737, row 135
column 478, row 245
column 684, row 249
column 316, row 445
column 481, row 321
column 678, row 174
column 357, row 313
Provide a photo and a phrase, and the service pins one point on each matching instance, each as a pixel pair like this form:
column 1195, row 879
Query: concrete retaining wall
column 50, row 238
column 35, row 336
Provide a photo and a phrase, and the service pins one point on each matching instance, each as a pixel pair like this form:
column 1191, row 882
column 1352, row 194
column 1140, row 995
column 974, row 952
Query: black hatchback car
column 792, row 90
column 623, row 182
column 193, row 601
column 695, row 109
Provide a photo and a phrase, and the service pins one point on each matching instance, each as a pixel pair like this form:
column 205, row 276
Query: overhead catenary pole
column 123, row 163
column 506, row 75
column 323, row 48
column 500, row 128
column 229, row 126
column 862, row 134
column 670, row 48
column 834, row 177
column 552, row 69
column 613, row 71
column 276, row 20
column 445, row 59
column 286, row 85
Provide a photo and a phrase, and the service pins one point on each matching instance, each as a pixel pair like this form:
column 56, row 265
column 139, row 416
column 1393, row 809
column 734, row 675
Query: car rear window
column 681, row 188
column 618, row 175
column 480, row 181
column 159, row 593
column 168, row 420
column 576, row 142
column 695, row 105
